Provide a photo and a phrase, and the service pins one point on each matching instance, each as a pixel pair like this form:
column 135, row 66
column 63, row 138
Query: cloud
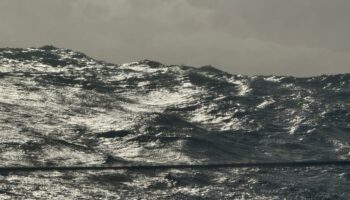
column 299, row 37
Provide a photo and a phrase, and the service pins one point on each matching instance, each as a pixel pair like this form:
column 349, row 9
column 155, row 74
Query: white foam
column 266, row 103
column 187, row 84
column 296, row 122
column 135, row 66
column 243, row 86
column 273, row 79
column 164, row 97
column 222, row 121
column 143, row 83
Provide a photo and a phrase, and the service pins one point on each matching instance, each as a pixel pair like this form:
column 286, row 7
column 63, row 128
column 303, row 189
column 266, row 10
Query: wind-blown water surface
column 62, row 108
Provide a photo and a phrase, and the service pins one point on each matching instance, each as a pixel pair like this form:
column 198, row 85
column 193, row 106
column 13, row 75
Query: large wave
column 62, row 108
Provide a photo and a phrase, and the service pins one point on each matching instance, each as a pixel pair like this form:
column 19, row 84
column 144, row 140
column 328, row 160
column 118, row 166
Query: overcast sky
column 289, row 37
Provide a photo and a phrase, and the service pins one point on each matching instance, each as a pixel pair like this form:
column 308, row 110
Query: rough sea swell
column 61, row 108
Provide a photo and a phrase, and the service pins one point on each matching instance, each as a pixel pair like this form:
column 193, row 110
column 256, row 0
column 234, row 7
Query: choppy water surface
column 61, row 108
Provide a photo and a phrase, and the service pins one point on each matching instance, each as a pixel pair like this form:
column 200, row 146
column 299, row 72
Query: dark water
column 62, row 108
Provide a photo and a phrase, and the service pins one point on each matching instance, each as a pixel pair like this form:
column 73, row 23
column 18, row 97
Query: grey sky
column 290, row 37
